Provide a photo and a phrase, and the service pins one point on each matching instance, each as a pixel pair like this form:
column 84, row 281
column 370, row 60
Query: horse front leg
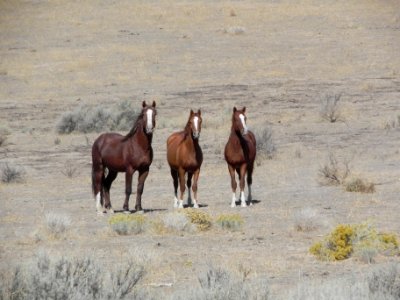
column 181, row 173
column 243, row 169
column 189, row 186
column 233, row 184
column 195, row 180
column 142, row 178
column 128, row 188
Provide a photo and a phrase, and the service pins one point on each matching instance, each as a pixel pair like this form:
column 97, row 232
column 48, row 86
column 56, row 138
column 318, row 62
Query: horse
column 240, row 153
column 113, row 153
column 184, row 155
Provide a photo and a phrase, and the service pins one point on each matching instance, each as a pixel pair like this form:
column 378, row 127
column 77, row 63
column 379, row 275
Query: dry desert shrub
column 231, row 222
column 10, row 174
column 127, row 224
column 177, row 222
column 360, row 186
column 57, row 224
column 346, row 240
column 265, row 144
column 4, row 133
column 382, row 282
column 201, row 219
column 86, row 118
column 333, row 172
column 306, row 219
column 69, row 170
column 217, row 283
column 330, row 108
column 71, row 278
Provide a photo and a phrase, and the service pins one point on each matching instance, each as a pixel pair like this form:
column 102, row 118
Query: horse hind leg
column 107, row 186
column 189, row 186
column 249, row 183
column 174, row 175
column 98, row 179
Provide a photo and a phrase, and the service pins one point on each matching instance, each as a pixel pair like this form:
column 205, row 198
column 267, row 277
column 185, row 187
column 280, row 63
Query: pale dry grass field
column 280, row 59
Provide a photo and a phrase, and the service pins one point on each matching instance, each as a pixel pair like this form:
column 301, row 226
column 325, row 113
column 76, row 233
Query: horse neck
column 140, row 135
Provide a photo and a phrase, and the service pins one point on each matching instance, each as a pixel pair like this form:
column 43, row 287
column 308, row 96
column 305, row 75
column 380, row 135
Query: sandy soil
column 278, row 58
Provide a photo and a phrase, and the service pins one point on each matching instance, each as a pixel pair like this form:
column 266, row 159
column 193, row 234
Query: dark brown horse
column 240, row 153
column 117, row 153
column 184, row 155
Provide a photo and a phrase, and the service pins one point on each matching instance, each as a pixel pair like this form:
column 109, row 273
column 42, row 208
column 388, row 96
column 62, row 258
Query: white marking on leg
column 149, row 120
column 233, row 203
column 195, row 205
column 98, row 202
column 242, row 199
column 241, row 116
column 180, row 204
column 175, row 202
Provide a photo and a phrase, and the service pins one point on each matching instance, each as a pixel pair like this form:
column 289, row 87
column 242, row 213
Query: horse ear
column 144, row 104
column 191, row 112
column 244, row 109
column 154, row 103
column 199, row 112
column 234, row 109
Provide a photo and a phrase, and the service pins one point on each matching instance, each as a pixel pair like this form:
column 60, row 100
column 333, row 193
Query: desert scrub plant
column 57, row 224
column 4, row 133
column 264, row 142
column 360, row 186
column 10, row 173
column 71, row 278
column 306, row 219
column 86, row 118
column 202, row 219
column 127, row 224
column 362, row 239
column 231, row 222
column 177, row 222
column 333, row 172
column 220, row 284
column 330, row 109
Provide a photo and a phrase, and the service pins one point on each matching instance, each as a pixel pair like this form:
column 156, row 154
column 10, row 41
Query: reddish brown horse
column 184, row 155
column 240, row 153
column 117, row 153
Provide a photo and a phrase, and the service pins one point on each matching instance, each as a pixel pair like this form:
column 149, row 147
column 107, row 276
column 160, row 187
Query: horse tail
column 93, row 179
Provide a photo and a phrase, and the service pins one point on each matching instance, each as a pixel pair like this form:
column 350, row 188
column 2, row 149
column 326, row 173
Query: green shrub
column 127, row 224
column 230, row 221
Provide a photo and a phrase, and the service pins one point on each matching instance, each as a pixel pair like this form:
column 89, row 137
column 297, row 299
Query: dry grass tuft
column 360, row 186
column 265, row 144
column 57, row 224
column 231, row 222
column 330, row 109
column 306, row 219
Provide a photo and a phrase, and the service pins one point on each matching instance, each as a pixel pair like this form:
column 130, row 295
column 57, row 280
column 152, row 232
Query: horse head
column 149, row 116
column 239, row 120
column 195, row 123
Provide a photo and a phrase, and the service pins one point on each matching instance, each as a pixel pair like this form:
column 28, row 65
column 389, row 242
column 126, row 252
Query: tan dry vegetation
column 58, row 55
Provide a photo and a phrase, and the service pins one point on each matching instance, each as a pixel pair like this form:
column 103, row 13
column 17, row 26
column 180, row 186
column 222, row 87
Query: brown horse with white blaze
column 184, row 155
column 117, row 153
column 240, row 153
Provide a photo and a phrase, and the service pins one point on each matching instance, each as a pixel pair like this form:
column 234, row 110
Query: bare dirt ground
column 277, row 58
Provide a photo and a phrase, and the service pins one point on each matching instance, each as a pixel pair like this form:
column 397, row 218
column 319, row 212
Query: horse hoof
column 233, row 205
column 127, row 212
column 244, row 204
column 100, row 213
column 196, row 206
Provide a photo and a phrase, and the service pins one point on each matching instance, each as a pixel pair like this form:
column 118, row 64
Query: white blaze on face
column 241, row 116
column 196, row 123
column 149, row 119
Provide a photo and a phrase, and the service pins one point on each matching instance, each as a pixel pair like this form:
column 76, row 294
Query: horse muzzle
column 149, row 130
column 196, row 135
column 244, row 131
